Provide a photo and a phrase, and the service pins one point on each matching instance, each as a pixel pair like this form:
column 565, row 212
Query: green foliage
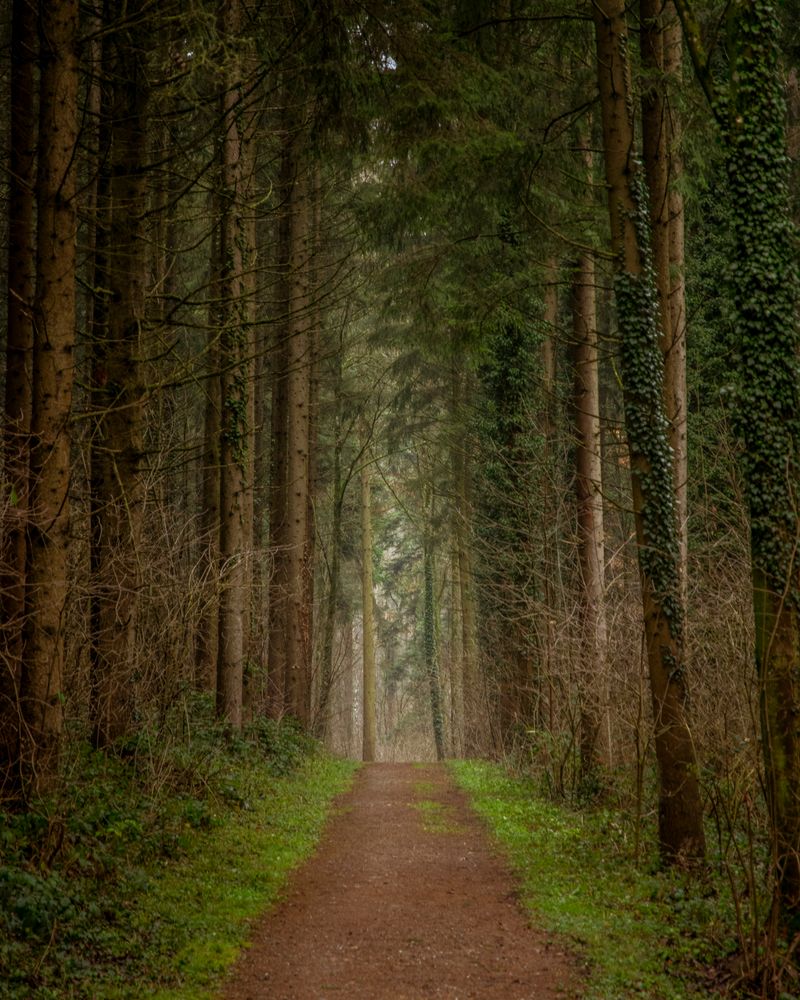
column 763, row 277
column 142, row 872
column 645, row 419
column 642, row 934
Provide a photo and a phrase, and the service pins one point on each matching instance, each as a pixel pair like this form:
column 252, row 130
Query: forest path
column 405, row 898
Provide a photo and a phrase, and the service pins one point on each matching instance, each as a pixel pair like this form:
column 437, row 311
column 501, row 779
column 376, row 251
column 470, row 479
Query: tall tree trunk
column 456, row 656
column 661, row 57
column 431, row 652
column 260, row 594
column 674, row 345
column 457, row 651
column 680, row 807
column 53, row 369
column 278, row 514
column 595, row 737
column 298, row 614
column 369, row 681
column 248, row 129
column 766, row 294
column 208, row 640
column 333, row 561
column 313, row 375
column 547, row 425
column 234, row 387
column 18, row 399
column 474, row 695
column 117, row 442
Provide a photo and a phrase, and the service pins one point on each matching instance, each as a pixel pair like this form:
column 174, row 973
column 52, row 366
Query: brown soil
column 404, row 899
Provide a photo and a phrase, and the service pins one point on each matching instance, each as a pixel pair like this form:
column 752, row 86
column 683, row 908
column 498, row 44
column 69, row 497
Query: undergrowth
column 642, row 933
column 139, row 876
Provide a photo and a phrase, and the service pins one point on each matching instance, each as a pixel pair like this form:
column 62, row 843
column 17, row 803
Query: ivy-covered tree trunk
column 661, row 62
column 764, row 279
column 54, row 317
column 680, row 806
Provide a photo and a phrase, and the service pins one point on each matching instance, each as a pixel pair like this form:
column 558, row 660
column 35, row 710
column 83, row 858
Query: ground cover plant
column 641, row 932
column 141, row 875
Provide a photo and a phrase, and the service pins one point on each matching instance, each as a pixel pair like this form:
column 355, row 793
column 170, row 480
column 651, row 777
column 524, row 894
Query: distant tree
column 369, row 676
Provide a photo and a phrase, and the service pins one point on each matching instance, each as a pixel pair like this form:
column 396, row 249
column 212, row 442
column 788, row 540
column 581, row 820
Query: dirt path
column 404, row 899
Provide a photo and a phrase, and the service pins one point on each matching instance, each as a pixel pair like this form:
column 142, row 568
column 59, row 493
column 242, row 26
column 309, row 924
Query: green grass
column 436, row 817
column 206, row 902
column 642, row 935
column 142, row 877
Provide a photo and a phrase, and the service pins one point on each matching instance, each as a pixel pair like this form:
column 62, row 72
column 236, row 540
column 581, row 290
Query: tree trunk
column 278, row 514
column 53, row 369
column 117, row 441
column 457, row 664
column 548, row 429
column 333, row 561
column 234, row 387
column 680, row 808
column 765, row 295
column 661, row 58
column 19, row 356
column 208, row 642
column 473, row 694
column 674, row 345
column 369, row 739
column 298, row 614
column 595, row 715
column 431, row 657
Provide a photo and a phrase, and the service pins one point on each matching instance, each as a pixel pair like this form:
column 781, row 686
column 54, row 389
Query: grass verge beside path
column 642, row 935
column 142, row 875
column 206, row 903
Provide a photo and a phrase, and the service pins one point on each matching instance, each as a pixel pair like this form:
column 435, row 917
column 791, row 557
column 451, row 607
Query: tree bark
column 298, row 614
column 674, row 346
column 208, row 642
column 234, row 386
column 18, row 389
column 595, row 715
column 765, row 287
column 431, row 652
column 661, row 60
column 334, row 559
column 680, row 808
column 369, row 681
column 53, row 371
column 473, row 696
column 117, row 441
